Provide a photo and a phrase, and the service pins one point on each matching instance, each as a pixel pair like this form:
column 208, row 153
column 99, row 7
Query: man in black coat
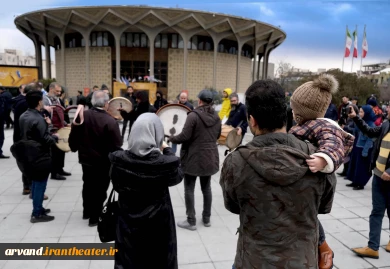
column 183, row 100
column 88, row 99
column 160, row 102
column 2, row 117
column 94, row 139
column 237, row 117
column 7, row 107
column 331, row 113
column 199, row 156
column 32, row 152
column 131, row 97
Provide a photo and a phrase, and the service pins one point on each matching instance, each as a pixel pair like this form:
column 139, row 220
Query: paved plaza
column 207, row 248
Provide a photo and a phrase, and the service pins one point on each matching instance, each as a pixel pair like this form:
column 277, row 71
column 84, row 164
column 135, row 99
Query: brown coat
column 199, row 152
column 268, row 183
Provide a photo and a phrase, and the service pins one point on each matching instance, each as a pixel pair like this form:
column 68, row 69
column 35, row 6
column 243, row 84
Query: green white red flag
column 365, row 46
column 355, row 45
column 348, row 44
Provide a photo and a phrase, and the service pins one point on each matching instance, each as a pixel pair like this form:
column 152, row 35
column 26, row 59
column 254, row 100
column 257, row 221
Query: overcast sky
column 315, row 29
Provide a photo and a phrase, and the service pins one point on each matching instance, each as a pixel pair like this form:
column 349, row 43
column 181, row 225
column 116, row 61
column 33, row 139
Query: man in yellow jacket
column 225, row 110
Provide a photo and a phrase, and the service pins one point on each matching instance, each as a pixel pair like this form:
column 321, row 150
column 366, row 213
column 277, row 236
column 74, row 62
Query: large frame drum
column 173, row 118
column 119, row 102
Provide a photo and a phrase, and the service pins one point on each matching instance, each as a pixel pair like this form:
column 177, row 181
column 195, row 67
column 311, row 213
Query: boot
column 388, row 247
column 186, row 225
column 41, row 218
column 366, row 252
column 325, row 256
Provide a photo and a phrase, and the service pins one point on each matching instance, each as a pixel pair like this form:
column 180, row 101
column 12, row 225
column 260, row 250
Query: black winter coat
column 19, row 107
column 145, row 233
column 238, row 118
column 199, row 152
column 95, row 138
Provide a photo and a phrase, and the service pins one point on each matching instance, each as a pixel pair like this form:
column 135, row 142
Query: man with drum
column 57, row 118
column 94, row 139
column 237, row 117
column 199, row 156
column 131, row 97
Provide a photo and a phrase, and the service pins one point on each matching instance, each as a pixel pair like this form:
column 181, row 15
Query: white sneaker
column 185, row 225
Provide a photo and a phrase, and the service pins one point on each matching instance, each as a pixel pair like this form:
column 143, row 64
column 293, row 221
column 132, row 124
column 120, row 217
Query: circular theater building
column 190, row 50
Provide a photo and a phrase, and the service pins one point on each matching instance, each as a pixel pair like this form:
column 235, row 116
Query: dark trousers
column 58, row 160
column 26, row 182
column 321, row 238
column 38, row 189
column 1, row 134
column 189, row 189
column 380, row 203
column 96, row 181
column 125, row 123
column 8, row 119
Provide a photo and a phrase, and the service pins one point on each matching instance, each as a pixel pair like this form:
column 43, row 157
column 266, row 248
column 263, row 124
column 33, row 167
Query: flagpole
column 342, row 69
column 354, row 47
column 361, row 56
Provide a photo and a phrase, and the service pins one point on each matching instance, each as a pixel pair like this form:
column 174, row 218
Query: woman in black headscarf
column 145, row 233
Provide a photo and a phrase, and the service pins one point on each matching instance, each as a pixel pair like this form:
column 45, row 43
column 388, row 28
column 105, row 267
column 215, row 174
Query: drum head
column 233, row 140
column 173, row 117
column 63, row 137
column 116, row 103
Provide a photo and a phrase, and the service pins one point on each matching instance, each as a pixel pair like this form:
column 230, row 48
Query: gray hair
column 234, row 95
column 53, row 85
column 99, row 98
column 184, row 94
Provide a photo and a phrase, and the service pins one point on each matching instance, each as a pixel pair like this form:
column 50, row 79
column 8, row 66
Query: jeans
column 189, row 188
column 380, row 203
column 37, row 192
column 174, row 148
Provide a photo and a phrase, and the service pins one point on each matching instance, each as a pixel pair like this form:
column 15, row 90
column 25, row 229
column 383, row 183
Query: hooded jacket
column 268, row 183
column 225, row 110
column 160, row 102
column 199, row 152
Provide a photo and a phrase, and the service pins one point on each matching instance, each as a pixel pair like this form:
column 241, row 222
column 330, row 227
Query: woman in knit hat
column 309, row 103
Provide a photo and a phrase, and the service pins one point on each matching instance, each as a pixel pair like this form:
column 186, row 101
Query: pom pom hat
column 311, row 100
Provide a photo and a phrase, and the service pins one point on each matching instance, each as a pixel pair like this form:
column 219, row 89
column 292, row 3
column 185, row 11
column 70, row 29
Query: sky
column 316, row 30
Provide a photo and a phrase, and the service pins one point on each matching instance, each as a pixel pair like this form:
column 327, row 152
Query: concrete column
column 215, row 65
column 260, row 55
column 151, row 56
column 87, row 62
column 265, row 63
column 38, row 58
column 185, row 50
column 267, row 60
column 62, row 40
column 238, row 67
column 48, row 61
column 118, row 56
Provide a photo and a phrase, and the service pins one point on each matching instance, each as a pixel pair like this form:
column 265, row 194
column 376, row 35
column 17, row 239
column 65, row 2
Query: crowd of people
column 277, row 183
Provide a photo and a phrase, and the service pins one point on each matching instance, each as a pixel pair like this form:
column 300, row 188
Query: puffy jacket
column 225, row 110
column 268, row 183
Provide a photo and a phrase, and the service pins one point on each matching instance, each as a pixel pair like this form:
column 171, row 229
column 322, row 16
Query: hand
column 164, row 145
column 47, row 119
column 352, row 113
column 385, row 176
column 68, row 125
column 239, row 131
column 56, row 135
column 121, row 109
column 316, row 163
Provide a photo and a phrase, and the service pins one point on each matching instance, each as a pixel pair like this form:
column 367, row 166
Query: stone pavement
column 207, row 248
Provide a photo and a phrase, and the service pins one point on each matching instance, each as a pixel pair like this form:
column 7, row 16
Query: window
column 129, row 40
column 164, row 43
column 194, row 42
column 181, row 42
column 83, row 42
column 174, row 42
column 105, row 39
column 123, row 40
column 144, row 42
column 157, row 41
column 201, row 45
column 136, row 41
column 93, row 41
column 99, row 39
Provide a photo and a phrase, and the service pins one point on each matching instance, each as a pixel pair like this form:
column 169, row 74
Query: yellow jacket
column 225, row 110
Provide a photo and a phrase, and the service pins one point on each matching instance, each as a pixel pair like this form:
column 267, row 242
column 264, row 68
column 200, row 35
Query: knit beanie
column 311, row 100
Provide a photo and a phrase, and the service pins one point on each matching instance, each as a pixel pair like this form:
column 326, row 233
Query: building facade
column 179, row 49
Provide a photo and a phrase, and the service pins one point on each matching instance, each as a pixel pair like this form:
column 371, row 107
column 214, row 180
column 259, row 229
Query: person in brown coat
column 199, row 156
column 269, row 184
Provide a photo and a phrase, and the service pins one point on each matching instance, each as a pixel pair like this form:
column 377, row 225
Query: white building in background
column 17, row 58
column 321, row 70
column 271, row 69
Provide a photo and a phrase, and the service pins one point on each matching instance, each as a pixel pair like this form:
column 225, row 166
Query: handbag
column 107, row 220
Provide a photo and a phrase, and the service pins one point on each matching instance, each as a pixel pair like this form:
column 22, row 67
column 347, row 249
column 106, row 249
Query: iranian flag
column 365, row 45
column 355, row 49
column 348, row 44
